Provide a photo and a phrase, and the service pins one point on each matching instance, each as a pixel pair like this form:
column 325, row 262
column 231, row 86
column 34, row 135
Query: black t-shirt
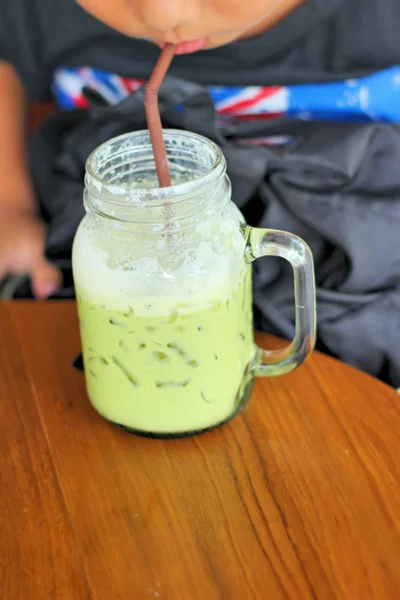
column 322, row 40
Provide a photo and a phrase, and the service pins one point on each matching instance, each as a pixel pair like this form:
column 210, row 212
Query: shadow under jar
column 164, row 289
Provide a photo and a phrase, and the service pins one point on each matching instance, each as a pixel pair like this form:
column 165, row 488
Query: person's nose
column 165, row 15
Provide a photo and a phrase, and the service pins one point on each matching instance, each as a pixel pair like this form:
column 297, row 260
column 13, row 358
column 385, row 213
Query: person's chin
column 221, row 40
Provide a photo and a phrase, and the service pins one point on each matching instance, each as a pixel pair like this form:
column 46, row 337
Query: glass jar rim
column 155, row 196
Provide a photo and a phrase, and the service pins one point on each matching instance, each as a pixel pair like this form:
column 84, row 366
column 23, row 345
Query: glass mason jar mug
column 164, row 289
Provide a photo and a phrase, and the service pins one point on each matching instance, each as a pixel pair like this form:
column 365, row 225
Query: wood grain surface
column 298, row 497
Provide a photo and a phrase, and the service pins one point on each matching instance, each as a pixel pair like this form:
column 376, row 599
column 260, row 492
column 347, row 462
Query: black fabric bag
column 336, row 185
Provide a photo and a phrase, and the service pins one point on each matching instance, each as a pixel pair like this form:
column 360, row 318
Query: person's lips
column 188, row 47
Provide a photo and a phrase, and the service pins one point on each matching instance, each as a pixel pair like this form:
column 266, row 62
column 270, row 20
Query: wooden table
column 296, row 498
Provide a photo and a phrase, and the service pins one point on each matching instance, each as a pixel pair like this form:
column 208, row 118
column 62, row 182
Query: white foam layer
column 121, row 270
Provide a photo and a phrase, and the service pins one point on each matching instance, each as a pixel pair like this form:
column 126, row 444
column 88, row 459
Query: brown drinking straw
column 153, row 114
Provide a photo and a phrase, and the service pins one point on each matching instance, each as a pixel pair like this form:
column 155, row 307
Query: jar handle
column 270, row 242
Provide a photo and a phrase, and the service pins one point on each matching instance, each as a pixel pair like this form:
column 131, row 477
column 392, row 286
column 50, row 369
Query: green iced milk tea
column 172, row 368
column 163, row 282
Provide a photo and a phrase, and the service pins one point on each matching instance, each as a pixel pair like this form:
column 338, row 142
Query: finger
column 46, row 279
column 3, row 269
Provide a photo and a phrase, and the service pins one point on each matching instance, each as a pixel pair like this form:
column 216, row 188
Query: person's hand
column 22, row 239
